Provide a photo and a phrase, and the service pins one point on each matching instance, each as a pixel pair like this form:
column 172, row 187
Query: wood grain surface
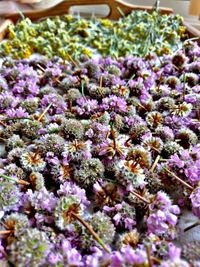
column 63, row 8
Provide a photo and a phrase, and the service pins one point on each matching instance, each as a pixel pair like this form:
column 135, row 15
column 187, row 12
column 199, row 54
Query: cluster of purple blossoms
column 162, row 217
column 91, row 155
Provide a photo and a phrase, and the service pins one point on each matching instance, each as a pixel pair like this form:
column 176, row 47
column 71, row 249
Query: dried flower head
column 170, row 148
column 93, row 70
column 30, row 104
column 78, row 150
column 51, row 143
column 16, row 222
column 190, row 78
column 172, row 81
column 73, row 94
column 32, row 161
column 182, row 109
column 10, row 196
column 89, row 171
column 136, row 132
column 106, row 194
column 30, row 249
column 61, row 172
column 102, row 225
column 186, row 137
column 154, row 119
column 97, row 91
column 13, row 170
column 154, row 144
column 37, row 181
column 30, row 128
column 73, row 129
column 64, row 210
column 14, row 141
column 129, row 172
column 140, row 155
column 129, row 239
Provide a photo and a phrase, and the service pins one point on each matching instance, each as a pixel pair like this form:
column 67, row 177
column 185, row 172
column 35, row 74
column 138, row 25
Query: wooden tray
column 116, row 7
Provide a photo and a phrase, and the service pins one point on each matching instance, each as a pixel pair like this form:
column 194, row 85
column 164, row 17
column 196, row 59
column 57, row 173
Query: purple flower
column 51, row 158
column 70, row 188
column 195, row 200
column 28, row 85
column 58, row 104
column 42, row 200
column 17, row 113
column 174, row 255
column 86, row 106
column 162, row 218
column 114, row 103
column 54, row 258
column 175, row 160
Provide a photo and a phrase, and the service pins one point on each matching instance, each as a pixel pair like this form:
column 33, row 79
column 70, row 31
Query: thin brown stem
column 6, row 232
column 192, row 226
column 155, row 163
column 73, row 61
column 70, row 105
column 156, row 260
column 112, row 133
column 140, row 105
column 40, row 67
column 132, row 137
column 148, row 250
column 140, row 197
column 101, row 82
column 22, row 182
column 2, row 123
column 92, row 232
column 179, row 179
column 44, row 112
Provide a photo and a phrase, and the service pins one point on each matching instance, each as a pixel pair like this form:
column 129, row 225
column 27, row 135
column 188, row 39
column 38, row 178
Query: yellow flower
column 87, row 52
column 27, row 52
column 164, row 50
column 181, row 30
column 107, row 23
column 7, row 49
column 11, row 34
column 68, row 18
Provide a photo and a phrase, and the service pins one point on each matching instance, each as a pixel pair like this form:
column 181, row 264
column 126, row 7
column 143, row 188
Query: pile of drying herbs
column 137, row 34
column 98, row 160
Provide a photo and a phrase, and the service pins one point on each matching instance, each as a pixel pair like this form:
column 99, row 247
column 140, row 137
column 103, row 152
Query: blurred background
column 180, row 6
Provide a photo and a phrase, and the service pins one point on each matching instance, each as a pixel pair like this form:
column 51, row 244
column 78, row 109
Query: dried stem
column 140, row 105
column 156, row 260
column 44, row 112
column 22, row 182
column 6, row 232
column 73, row 61
column 92, row 232
column 70, row 105
column 155, row 163
column 192, row 226
column 101, row 82
column 2, row 123
column 40, row 67
column 148, row 250
column 140, row 197
column 179, row 179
